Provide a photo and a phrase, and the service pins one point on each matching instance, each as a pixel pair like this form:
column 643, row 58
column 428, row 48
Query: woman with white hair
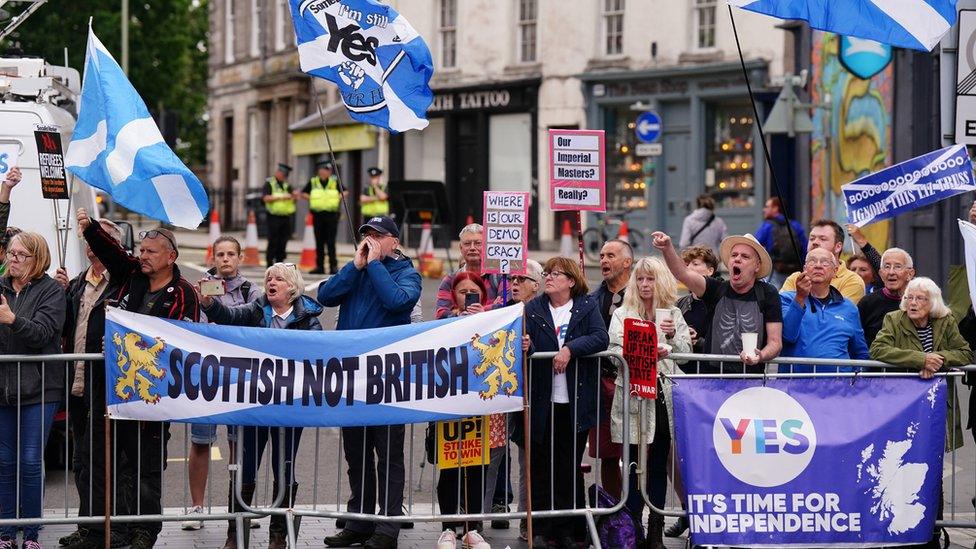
column 652, row 287
column 923, row 335
column 282, row 306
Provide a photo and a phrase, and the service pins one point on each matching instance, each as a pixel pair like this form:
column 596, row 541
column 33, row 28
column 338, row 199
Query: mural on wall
column 850, row 139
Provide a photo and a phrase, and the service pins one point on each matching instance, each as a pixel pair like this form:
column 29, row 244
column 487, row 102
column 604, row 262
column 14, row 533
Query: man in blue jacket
column 378, row 288
column 819, row 322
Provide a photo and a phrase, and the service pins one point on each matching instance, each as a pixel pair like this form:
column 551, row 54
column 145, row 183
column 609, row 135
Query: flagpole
column 335, row 165
column 762, row 139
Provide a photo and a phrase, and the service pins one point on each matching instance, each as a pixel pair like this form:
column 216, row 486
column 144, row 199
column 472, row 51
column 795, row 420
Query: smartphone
column 471, row 299
column 212, row 288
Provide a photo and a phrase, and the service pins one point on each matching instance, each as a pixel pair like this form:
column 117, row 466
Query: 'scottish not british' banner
column 168, row 370
column 909, row 185
column 783, row 464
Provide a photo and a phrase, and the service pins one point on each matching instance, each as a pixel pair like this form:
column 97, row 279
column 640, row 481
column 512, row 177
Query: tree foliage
column 167, row 53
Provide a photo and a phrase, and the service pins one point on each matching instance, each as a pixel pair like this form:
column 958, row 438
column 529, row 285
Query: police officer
column 374, row 201
column 279, row 201
column 324, row 194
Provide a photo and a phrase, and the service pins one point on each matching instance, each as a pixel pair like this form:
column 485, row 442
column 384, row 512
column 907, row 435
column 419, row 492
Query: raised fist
column 352, row 74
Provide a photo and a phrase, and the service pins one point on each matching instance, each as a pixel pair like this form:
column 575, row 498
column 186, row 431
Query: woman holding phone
column 282, row 306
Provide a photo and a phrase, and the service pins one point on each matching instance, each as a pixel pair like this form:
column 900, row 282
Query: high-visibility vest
column 280, row 207
column 324, row 198
column 375, row 208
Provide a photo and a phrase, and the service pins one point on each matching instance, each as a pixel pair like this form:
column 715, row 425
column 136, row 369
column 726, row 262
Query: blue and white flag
column 909, row 185
column 380, row 63
column 777, row 463
column 169, row 370
column 118, row 148
column 916, row 24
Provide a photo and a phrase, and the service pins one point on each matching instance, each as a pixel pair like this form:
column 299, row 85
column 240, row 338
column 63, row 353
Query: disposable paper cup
column 660, row 315
column 750, row 341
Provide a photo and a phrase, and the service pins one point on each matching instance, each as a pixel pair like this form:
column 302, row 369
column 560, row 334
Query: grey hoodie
column 711, row 236
column 40, row 309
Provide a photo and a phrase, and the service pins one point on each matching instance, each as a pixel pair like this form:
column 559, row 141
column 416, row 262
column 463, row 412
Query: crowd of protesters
column 778, row 293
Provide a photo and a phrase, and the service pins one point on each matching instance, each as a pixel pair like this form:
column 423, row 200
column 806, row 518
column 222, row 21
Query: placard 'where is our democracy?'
column 505, row 240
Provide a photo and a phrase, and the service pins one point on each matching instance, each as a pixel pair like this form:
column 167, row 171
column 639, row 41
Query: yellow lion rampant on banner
column 141, row 357
column 498, row 353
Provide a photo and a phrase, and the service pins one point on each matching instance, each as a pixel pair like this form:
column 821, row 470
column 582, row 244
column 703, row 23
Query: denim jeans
column 25, row 449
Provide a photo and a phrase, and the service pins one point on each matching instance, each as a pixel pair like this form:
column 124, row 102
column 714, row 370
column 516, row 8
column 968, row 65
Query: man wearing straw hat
column 744, row 316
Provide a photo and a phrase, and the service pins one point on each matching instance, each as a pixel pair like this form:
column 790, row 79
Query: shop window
column 629, row 177
column 729, row 155
column 613, row 27
column 705, row 23
column 447, row 32
column 527, row 30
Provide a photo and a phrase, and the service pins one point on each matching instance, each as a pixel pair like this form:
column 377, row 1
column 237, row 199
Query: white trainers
column 448, row 540
column 191, row 524
column 473, row 540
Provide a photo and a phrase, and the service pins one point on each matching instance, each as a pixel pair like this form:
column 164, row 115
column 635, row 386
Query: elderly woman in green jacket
column 923, row 335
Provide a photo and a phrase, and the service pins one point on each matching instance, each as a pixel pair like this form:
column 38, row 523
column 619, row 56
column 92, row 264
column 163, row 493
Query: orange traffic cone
column 214, row 235
column 566, row 240
column 425, row 254
column 307, row 261
column 624, row 232
column 469, row 220
column 251, row 254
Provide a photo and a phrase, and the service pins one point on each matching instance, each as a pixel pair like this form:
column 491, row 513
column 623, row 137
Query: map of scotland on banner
column 783, row 464
column 169, row 370
column 380, row 63
column 909, row 185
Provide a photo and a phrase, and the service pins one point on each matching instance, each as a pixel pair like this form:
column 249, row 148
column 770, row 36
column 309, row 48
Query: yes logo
column 763, row 436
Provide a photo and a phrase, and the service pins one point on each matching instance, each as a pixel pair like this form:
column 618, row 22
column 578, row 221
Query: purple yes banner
column 811, row 462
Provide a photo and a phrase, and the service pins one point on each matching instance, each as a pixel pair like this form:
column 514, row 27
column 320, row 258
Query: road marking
column 214, row 456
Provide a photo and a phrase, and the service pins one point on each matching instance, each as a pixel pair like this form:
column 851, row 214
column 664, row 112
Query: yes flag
column 916, row 24
column 380, row 63
column 118, row 148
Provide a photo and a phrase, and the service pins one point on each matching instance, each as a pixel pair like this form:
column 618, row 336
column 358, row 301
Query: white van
column 31, row 93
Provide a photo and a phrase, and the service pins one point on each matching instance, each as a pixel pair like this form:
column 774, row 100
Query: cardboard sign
column 577, row 170
column 462, row 443
column 505, row 245
column 640, row 352
column 8, row 158
column 50, row 160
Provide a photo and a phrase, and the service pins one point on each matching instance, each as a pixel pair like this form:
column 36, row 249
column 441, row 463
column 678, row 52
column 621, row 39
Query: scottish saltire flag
column 915, row 24
column 380, row 63
column 168, row 370
column 118, row 148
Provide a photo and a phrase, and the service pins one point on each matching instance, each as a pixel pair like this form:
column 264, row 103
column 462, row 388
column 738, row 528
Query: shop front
column 708, row 144
column 480, row 138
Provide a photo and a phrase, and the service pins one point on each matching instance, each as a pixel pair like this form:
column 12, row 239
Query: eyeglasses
column 552, row 274
column 918, row 298
column 19, row 256
column 520, row 279
column 895, row 268
column 821, row 262
column 155, row 234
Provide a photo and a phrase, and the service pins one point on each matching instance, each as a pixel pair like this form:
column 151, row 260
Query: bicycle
column 607, row 228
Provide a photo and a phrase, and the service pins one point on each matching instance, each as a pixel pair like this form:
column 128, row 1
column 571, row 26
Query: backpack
column 785, row 246
column 618, row 529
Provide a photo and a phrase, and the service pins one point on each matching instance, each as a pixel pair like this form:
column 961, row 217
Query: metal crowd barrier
column 329, row 487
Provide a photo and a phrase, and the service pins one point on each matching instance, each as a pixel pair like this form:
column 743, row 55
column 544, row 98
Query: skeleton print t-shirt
column 731, row 314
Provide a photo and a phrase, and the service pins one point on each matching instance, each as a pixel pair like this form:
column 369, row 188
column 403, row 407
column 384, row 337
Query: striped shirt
column 925, row 337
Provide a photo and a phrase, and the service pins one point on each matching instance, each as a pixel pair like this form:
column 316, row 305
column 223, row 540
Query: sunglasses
column 155, row 234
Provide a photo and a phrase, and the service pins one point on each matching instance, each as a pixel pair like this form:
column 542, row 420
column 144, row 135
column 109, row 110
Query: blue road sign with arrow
column 648, row 127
